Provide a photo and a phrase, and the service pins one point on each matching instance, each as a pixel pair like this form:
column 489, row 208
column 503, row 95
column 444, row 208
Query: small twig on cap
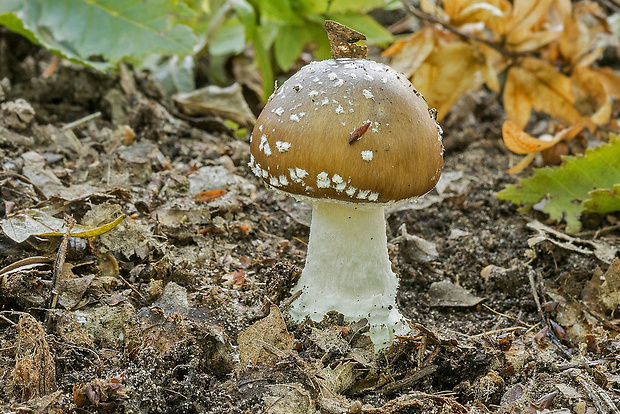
column 343, row 41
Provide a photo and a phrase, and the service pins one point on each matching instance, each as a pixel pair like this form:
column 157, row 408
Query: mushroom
column 349, row 136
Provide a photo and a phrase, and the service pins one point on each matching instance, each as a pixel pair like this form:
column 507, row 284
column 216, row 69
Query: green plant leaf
column 341, row 6
column 174, row 73
column 603, row 200
column 291, row 40
column 375, row 33
column 100, row 33
column 277, row 11
column 565, row 190
column 228, row 39
column 246, row 14
column 10, row 6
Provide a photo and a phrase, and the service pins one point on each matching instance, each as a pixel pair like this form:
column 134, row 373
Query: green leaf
column 603, row 200
column 565, row 190
column 88, row 31
column 340, row 6
column 228, row 39
column 264, row 64
column 277, row 11
column 10, row 6
column 375, row 33
column 246, row 14
column 291, row 40
column 175, row 74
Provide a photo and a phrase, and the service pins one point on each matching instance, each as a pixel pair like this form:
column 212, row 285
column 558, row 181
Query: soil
column 181, row 308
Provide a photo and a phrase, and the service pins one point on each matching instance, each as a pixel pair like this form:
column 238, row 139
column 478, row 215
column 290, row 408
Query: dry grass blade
column 410, row 379
column 419, row 402
column 35, row 371
column 58, row 267
column 601, row 399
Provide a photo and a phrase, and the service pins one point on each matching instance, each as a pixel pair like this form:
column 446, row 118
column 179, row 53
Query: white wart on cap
column 301, row 141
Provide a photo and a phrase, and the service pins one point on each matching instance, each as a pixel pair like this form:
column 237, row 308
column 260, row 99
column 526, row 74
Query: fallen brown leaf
column 536, row 84
column 446, row 74
column 520, row 142
column 267, row 333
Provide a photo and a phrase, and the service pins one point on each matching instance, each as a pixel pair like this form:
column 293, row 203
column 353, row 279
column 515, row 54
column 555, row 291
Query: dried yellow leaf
column 430, row 7
column 451, row 7
column 520, row 142
column 409, row 55
column 478, row 12
column 593, row 99
column 85, row 232
column 523, row 164
column 517, row 102
column 575, row 40
column 610, row 79
column 494, row 63
column 534, row 83
column 446, row 74
column 538, row 40
column 526, row 15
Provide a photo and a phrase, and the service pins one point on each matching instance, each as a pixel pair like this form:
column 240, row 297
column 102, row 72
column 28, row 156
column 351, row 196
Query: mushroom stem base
column 348, row 270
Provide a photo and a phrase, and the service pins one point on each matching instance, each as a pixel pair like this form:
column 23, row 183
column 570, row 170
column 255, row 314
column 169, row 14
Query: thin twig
column 130, row 286
column 596, row 233
column 530, row 275
column 496, row 331
column 26, row 180
column 8, row 312
column 582, row 364
column 601, row 399
column 175, row 392
column 286, row 303
column 58, row 266
column 29, row 261
column 393, row 387
column 550, row 332
column 585, row 308
column 81, row 348
column 514, row 318
column 7, row 320
column 81, row 121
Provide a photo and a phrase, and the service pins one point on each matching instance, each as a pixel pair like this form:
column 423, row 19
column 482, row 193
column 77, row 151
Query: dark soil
column 165, row 312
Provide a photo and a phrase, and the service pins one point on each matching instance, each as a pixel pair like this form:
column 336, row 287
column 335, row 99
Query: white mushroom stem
column 348, row 270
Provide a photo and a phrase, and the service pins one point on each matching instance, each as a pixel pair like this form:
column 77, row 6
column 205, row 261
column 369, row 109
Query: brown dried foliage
column 35, row 371
column 547, row 51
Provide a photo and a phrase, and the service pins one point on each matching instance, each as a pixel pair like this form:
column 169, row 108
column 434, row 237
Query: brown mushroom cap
column 301, row 141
